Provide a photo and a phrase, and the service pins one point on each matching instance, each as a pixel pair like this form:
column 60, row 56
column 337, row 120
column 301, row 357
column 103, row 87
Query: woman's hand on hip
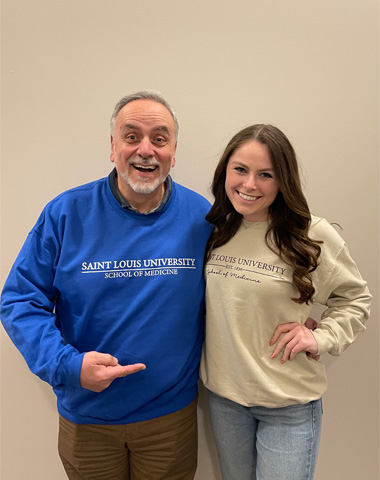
column 293, row 338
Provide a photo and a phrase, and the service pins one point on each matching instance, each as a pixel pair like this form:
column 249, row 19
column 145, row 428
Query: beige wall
column 309, row 67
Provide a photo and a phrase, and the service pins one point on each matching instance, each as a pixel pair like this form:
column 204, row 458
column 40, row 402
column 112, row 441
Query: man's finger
column 98, row 358
column 124, row 370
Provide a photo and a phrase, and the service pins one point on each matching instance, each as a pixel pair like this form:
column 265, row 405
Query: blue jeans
column 259, row 443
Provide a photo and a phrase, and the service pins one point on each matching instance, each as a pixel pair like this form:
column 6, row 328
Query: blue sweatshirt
column 94, row 276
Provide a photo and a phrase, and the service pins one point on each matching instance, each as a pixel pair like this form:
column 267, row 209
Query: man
column 105, row 302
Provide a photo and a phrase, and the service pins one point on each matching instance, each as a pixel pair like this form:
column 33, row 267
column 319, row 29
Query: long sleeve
column 347, row 297
column 28, row 309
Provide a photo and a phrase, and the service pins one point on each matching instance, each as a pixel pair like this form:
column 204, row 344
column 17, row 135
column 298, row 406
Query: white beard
column 144, row 185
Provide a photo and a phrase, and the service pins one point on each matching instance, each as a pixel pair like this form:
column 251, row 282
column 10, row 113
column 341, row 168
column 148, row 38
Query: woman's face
column 250, row 182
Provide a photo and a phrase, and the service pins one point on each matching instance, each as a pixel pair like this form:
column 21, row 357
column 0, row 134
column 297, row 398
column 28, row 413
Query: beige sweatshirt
column 248, row 293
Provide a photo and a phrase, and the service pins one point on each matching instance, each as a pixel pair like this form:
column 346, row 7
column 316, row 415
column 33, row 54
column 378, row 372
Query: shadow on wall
column 207, row 455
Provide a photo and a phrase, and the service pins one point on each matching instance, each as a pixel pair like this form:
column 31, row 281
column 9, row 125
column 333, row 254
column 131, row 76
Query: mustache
column 144, row 161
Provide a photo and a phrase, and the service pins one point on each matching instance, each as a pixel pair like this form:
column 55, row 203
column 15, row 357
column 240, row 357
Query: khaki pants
column 164, row 448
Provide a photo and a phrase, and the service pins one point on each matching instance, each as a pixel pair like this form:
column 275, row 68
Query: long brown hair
column 289, row 214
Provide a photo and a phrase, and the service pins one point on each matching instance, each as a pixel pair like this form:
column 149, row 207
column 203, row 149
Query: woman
column 268, row 261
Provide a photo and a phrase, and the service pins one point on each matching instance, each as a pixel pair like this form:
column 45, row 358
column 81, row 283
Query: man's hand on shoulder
column 99, row 370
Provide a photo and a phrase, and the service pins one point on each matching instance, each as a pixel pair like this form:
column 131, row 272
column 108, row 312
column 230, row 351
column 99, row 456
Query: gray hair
column 152, row 95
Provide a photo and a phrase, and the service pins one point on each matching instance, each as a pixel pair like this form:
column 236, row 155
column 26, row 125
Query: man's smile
column 145, row 168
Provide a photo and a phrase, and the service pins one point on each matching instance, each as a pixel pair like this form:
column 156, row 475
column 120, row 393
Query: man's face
column 143, row 149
